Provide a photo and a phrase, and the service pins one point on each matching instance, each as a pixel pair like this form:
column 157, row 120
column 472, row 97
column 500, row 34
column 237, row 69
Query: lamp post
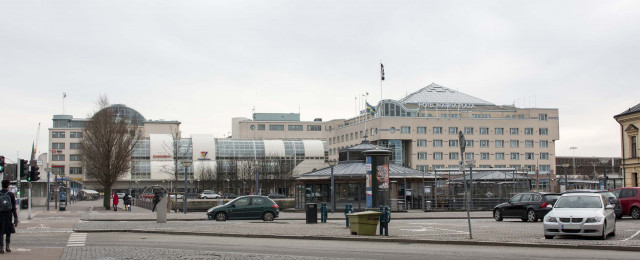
column 185, row 165
column 257, row 184
column 333, row 163
column 573, row 148
column 48, row 170
column 566, row 179
column 604, row 168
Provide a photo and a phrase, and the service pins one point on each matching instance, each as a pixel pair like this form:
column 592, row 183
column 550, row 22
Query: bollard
column 348, row 208
column 385, row 218
column 323, row 212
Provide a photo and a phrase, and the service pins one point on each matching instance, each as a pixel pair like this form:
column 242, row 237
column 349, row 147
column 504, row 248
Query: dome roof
column 129, row 114
column 435, row 93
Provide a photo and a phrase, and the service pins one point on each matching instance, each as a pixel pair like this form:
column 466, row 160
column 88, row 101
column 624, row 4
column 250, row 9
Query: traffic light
column 23, row 169
column 1, row 164
column 34, row 173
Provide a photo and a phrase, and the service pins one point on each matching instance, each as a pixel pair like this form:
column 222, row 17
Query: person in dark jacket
column 127, row 202
column 156, row 200
column 7, row 227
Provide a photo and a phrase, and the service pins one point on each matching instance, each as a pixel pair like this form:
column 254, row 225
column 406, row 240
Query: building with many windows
column 629, row 121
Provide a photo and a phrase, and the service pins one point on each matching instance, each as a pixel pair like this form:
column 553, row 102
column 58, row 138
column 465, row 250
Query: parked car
column 174, row 196
column 208, row 194
column 245, row 207
column 629, row 199
column 229, row 195
column 613, row 200
column 276, row 196
column 581, row 214
column 120, row 195
column 527, row 206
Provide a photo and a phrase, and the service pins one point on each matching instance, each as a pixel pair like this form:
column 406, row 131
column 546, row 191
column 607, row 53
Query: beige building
column 629, row 123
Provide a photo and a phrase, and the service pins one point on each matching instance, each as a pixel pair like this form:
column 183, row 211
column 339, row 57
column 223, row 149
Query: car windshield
column 590, row 202
column 552, row 197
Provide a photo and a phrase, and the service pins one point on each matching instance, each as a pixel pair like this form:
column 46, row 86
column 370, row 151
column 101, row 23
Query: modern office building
column 629, row 121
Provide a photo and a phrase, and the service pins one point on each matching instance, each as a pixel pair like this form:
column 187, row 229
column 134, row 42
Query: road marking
column 632, row 236
column 77, row 239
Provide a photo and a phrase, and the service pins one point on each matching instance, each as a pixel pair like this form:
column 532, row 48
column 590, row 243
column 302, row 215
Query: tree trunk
column 107, row 198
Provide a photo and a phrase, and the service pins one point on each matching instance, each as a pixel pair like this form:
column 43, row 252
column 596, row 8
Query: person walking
column 127, row 202
column 115, row 201
column 156, row 200
column 7, row 210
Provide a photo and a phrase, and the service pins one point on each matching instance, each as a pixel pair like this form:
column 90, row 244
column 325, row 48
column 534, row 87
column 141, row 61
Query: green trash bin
column 364, row 223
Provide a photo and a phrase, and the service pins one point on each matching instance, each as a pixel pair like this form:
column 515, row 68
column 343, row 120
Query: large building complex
column 629, row 121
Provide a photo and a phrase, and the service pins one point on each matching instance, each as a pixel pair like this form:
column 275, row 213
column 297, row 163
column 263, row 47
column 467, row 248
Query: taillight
column 275, row 206
column 544, row 205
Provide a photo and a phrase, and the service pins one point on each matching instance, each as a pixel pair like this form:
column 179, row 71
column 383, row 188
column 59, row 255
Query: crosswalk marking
column 77, row 239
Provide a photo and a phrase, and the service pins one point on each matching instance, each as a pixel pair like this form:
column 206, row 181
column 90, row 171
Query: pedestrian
column 7, row 210
column 115, row 201
column 156, row 200
column 127, row 202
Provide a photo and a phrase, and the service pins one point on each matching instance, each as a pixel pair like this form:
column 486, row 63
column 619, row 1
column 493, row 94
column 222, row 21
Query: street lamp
column 566, row 181
column 185, row 164
column 604, row 167
column 255, row 166
column 573, row 148
column 333, row 163
column 48, row 170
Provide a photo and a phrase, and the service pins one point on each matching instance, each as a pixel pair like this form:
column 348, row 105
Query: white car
column 209, row 194
column 581, row 214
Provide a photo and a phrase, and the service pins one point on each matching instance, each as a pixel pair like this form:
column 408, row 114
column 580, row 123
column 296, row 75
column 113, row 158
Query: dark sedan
column 245, row 207
column 613, row 200
column 527, row 206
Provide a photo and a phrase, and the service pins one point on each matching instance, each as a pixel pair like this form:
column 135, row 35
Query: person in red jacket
column 115, row 201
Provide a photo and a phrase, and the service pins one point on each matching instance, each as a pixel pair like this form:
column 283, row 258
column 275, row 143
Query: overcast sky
column 204, row 62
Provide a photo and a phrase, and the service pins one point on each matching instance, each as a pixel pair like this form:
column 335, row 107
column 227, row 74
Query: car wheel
column 531, row 216
column 635, row 213
column 613, row 233
column 497, row 215
column 548, row 237
column 268, row 216
column 221, row 216
column 603, row 236
column 619, row 216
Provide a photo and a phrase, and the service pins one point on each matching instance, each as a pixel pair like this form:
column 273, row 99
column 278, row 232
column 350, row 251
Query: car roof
column 590, row 194
column 585, row 191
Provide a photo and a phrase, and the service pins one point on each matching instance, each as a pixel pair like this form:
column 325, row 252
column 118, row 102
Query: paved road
column 158, row 246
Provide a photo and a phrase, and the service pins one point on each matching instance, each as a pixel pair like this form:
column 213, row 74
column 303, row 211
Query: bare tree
column 207, row 176
column 174, row 150
column 107, row 147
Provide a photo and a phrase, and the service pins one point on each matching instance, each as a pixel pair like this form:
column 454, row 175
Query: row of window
column 60, row 146
column 484, row 143
column 483, row 156
column 531, row 167
column 61, row 134
column 61, row 157
column 59, row 170
column 470, row 130
column 280, row 127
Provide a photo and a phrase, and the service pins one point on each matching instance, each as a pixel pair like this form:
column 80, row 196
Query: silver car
column 581, row 214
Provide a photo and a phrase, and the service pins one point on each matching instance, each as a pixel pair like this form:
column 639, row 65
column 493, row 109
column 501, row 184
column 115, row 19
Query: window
column 242, row 202
column 314, row 128
column 628, row 193
column 468, row 143
column 295, row 127
column 484, row 130
column 484, row 156
column 276, row 127
column 261, row 127
column 422, row 130
column 453, row 143
column 57, row 145
column 356, row 135
column 423, row 168
column 500, row 166
column 513, row 131
column 634, row 147
column 422, row 156
column 544, row 131
column 545, row 168
column 75, row 170
column 422, row 143
column 257, row 201
column 75, row 135
column 499, row 143
column 544, row 156
column 437, row 143
column 485, row 166
column 499, row 130
column 544, row 144
column 468, row 130
column 484, row 143
column 528, row 143
column 437, row 156
column 453, row 130
column 438, row 166
column 57, row 170
column 392, row 130
column 57, row 134
column 468, row 156
column 542, row 117
column 499, row 156
column 453, row 156
column 75, row 157
column 528, row 156
column 437, row 130
column 57, row 157
column 405, row 130
column 74, row 146
column 252, row 127
column 515, row 156
column 528, row 131
column 513, row 143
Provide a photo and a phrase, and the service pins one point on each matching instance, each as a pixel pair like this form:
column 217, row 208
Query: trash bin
column 364, row 223
column 427, row 205
column 24, row 203
column 312, row 213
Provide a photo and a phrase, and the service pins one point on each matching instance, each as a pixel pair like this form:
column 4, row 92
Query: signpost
column 463, row 145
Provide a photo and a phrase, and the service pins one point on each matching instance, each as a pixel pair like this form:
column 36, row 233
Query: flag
column 381, row 71
column 371, row 109
column 64, row 94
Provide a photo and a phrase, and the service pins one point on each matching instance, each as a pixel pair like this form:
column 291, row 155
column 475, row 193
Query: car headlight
column 550, row 219
column 209, row 210
column 594, row 220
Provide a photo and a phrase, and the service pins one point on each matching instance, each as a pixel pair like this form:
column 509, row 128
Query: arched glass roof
column 126, row 113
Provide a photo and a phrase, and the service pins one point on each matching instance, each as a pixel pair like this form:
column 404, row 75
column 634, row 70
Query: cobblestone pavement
column 73, row 253
column 484, row 230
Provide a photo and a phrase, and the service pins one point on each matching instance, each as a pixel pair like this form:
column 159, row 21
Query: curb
column 202, row 219
column 373, row 239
